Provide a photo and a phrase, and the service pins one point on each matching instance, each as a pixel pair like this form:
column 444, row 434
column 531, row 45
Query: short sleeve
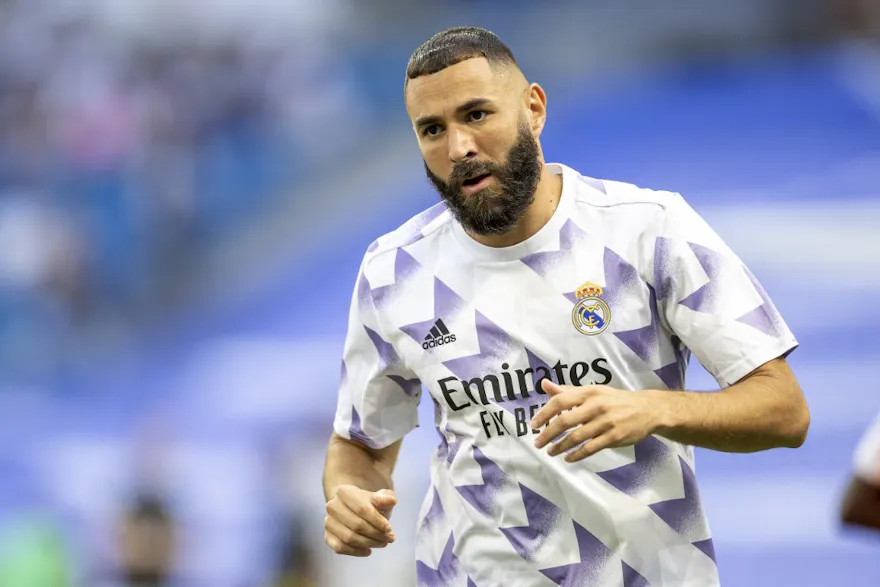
column 378, row 396
column 711, row 301
column 867, row 456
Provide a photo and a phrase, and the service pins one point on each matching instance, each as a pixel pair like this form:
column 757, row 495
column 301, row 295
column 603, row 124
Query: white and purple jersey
column 618, row 288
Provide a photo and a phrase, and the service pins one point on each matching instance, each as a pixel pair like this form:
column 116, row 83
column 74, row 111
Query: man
column 861, row 503
column 146, row 545
column 532, row 303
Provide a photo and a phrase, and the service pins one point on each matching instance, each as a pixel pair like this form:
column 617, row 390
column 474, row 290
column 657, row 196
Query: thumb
column 384, row 499
column 551, row 388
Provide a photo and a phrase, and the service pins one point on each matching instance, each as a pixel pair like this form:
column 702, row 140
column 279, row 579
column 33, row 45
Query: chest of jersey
column 486, row 333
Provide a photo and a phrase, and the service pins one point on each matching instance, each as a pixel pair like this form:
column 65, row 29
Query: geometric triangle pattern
column 449, row 450
column 681, row 514
column 495, row 345
column 447, row 571
column 543, row 518
column 435, row 513
column 447, row 304
column 706, row 547
column 356, row 431
column 404, row 268
column 544, row 262
column 483, row 496
column 765, row 317
column 423, row 220
column 387, row 355
column 415, row 226
column 343, row 374
column 622, row 281
column 666, row 269
column 708, row 297
column 593, row 558
column 364, row 295
column 631, row 577
column 410, row 387
column 388, row 358
column 644, row 341
column 673, row 373
column 650, row 456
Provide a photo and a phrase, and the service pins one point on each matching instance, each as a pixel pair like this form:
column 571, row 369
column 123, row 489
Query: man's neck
column 547, row 196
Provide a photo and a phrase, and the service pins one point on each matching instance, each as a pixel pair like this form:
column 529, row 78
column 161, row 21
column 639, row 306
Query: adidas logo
column 439, row 335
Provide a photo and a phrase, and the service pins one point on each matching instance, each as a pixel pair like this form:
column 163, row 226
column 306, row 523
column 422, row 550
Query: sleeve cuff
column 754, row 360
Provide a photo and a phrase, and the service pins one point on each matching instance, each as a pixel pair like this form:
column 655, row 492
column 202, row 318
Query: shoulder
column 624, row 198
column 620, row 212
column 423, row 225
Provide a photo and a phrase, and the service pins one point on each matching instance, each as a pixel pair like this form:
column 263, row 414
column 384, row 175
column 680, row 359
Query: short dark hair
column 147, row 507
column 455, row 45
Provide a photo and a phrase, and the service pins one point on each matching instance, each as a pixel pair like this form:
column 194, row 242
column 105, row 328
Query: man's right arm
column 373, row 410
column 352, row 463
column 359, row 492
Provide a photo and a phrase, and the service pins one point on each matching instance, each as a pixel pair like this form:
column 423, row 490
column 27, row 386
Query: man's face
column 147, row 551
column 477, row 144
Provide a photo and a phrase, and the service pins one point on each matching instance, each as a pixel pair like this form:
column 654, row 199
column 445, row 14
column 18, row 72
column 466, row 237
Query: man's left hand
column 596, row 416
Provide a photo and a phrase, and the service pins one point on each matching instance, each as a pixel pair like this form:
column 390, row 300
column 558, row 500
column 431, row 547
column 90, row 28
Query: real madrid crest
column 591, row 315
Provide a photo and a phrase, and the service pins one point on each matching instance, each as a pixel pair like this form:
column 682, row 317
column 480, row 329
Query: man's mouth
column 475, row 179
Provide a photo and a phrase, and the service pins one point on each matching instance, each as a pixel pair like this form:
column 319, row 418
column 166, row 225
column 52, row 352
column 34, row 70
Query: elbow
column 799, row 426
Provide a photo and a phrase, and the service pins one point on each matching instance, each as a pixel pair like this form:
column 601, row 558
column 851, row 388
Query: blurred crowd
column 125, row 156
column 136, row 138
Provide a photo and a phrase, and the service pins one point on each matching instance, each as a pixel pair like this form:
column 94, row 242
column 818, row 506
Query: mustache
column 466, row 169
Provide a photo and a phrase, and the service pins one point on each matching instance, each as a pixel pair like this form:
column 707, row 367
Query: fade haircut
column 455, row 45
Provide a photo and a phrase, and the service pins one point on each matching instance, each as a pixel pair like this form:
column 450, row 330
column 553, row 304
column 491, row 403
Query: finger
column 607, row 440
column 579, row 435
column 551, row 387
column 384, row 501
column 351, row 520
column 365, row 510
column 349, row 536
column 554, row 407
column 564, row 421
column 339, row 547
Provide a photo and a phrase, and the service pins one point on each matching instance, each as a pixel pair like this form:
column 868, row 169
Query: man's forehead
column 457, row 83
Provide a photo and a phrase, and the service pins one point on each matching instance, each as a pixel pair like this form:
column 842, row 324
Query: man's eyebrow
column 466, row 107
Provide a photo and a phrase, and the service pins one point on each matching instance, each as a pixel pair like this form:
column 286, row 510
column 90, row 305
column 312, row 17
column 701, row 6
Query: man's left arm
column 703, row 299
column 764, row 410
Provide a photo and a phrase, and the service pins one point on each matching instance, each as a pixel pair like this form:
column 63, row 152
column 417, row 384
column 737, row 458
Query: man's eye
column 478, row 115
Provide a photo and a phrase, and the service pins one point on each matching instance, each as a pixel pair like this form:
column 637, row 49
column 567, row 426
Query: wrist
column 666, row 412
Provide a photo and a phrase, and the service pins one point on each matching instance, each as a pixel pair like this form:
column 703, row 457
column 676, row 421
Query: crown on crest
column 588, row 290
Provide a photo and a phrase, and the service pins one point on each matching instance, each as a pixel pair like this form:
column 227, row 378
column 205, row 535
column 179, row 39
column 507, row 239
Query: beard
column 497, row 208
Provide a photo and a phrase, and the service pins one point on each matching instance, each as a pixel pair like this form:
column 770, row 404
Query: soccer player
column 861, row 503
column 550, row 316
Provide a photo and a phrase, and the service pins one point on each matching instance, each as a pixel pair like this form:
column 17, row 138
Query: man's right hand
column 357, row 520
